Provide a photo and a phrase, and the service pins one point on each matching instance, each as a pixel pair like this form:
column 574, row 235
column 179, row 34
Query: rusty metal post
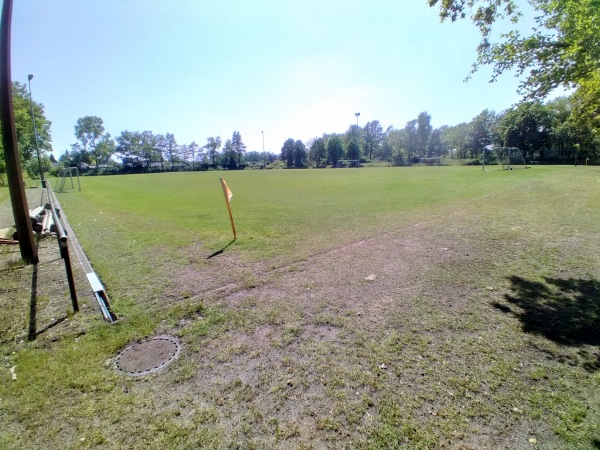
column 9, row 140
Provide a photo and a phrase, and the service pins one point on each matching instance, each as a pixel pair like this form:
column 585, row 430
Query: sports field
column 423, row 307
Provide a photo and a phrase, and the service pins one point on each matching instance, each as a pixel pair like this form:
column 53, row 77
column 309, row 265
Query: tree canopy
column 562, row 49
column 24, row 126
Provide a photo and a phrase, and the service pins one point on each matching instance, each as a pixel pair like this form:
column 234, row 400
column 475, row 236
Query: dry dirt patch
column 323, row 349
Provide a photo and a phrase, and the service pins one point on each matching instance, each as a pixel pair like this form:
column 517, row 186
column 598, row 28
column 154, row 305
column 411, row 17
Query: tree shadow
column 565, row 311
column 218, row 252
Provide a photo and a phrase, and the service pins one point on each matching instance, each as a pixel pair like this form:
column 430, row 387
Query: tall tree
column 24, row 126
column 373, row 132
column 213, row 144
column 435, row 146
column 563, row 49
column 167, row 145
column 424, row 129
column 335, row 149
column 318, row 151
column 526, row 126
column 300, row 155
column 353, row 151
column 88, row 131
column 238, row 146
column 287, row 153
column 129, row 146
column 412, row 140
column 104, row 149
column 483, row 131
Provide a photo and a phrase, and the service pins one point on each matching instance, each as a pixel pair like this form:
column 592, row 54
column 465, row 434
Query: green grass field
column 426, row 307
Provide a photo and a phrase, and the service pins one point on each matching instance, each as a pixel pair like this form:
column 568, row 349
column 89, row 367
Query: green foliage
column 287, row 153
column 24, row 126
column 335, row 150
column 563, row 49
column 318, row 151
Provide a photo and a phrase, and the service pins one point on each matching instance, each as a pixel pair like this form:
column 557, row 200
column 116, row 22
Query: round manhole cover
column 148, row 356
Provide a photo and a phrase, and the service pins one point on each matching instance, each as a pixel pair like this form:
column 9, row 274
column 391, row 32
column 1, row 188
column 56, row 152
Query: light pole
column 37, row 149
column 264, row 155
column 357, row 114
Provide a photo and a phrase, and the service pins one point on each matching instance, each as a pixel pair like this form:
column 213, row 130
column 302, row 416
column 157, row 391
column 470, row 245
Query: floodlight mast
column 9, row 140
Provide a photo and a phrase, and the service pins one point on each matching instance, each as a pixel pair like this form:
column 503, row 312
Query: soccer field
column 422, row 307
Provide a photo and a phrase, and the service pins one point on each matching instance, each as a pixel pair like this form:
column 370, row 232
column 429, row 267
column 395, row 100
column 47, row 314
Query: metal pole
column 264, row 155
column 35, row 136
column 9, row 140
column 357, row 114
column 63, row 244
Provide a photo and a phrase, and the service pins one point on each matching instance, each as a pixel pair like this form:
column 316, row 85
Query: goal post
column 509, row 157
column 345, row 163
column 63, row 174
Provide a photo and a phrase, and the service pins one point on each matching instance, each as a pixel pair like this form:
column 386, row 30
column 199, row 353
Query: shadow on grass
column 218, row 252
column 566, row 311
column 33, row 331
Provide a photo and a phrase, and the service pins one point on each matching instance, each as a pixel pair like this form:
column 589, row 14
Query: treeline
column 548, row 133
column 136, row 152
column 557, row 132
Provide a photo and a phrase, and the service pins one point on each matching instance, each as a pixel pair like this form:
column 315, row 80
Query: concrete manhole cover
column 148, row 356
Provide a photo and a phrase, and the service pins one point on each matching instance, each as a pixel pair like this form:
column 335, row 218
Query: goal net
column 344, row 163
column 509, row 157
column 63, row 175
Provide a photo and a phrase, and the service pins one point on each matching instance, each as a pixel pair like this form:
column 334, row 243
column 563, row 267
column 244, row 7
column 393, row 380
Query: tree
column 353, row 149
column 300, row 155
column 335, row 149
column 373, row 138
column 228, row 155
column 213, row 144
column 104, row 149
column 563, row 49
column 167, row 145
column 411, row 143
column 287, row 152
column 318, row 151
column 435, row 146
column 526, row 126
column 88, row 131
column 483, row 131
column 24, row 126
column 129, row 148
column 239, row 148
column 456, row 138
column 424, row 129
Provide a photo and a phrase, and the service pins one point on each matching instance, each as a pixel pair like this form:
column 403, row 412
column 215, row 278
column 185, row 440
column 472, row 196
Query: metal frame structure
column 490, row 148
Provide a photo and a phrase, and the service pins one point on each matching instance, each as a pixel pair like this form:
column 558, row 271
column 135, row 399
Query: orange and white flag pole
column 228, row 194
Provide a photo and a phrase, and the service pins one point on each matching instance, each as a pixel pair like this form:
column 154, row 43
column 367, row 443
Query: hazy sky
column 208, row 67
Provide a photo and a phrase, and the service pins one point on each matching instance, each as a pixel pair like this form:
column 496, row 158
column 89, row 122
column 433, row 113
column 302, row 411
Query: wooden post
column 9, row 140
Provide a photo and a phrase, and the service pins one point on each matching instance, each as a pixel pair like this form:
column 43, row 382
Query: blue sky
column 289, row 68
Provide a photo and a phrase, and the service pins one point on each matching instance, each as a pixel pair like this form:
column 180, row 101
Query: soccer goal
column 345, row 163
column 431, row 161
column 509, row 157
column 65, row 173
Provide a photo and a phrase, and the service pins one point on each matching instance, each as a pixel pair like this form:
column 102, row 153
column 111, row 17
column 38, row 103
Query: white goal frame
column 343, row 163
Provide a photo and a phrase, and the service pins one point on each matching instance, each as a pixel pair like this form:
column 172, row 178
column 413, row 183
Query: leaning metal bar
column 9, row 141
column 97, row 287
column 63, row 243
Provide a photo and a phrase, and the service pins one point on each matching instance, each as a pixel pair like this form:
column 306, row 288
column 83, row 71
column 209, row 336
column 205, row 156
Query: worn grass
column 495, row 344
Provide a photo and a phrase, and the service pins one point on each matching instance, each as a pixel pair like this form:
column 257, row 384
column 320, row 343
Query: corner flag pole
column 227, row 193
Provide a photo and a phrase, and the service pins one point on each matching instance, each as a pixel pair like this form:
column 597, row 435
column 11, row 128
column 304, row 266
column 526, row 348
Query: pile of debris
column 42, row 223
